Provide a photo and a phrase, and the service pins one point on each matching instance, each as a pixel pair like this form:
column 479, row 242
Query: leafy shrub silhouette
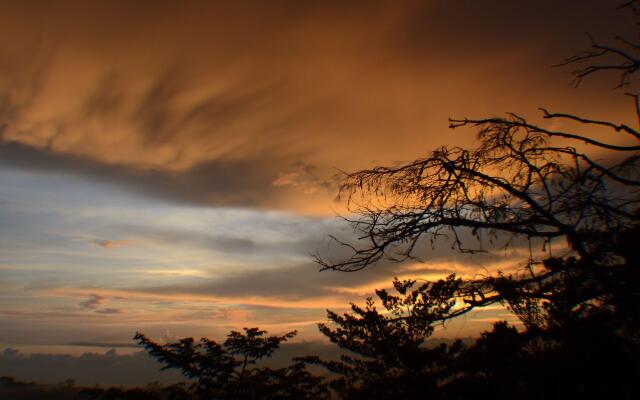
column 229, row 371
column 391, row 358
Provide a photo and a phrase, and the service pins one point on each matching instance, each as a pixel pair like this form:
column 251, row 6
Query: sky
column 167, row 167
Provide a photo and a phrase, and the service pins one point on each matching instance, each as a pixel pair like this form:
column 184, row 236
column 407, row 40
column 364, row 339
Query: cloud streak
column 108, row 368
column 236, row 112
column 92, row 302
column 112, row 244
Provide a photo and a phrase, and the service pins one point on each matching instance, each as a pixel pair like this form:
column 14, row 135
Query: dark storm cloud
column 219, row 103
column 219, row 182
column 471, row 29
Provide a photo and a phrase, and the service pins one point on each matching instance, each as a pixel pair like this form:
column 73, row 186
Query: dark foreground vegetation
column 12, row 389
column 578, row 305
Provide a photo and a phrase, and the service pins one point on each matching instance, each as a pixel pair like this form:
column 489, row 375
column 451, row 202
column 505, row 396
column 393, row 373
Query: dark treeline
column 584, row 354
column 576, row 190
column 578, row 308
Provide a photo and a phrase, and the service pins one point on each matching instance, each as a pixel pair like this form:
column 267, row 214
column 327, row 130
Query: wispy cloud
column 95, row 301
column 112, row 244
column 109, row 311
column 197, row 120
column 304, row 178
column 92, row 302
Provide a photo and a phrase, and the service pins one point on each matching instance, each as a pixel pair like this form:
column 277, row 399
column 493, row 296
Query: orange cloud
column 226, row 108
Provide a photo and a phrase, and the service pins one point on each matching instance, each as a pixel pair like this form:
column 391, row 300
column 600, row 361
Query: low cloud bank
column 109, row 368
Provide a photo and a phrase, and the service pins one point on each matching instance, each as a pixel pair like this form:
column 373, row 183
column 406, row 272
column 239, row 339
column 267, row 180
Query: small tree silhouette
column 391, row 357
column 229, row 371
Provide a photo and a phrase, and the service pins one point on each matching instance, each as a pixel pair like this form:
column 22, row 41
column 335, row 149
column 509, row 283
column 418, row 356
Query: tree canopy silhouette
column 229, row 371
column 576, row 190
column 390, row 357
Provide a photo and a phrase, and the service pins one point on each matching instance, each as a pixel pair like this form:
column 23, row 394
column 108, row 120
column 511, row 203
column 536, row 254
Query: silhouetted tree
column 391, row 359
column 575, row 189
column 229, row 371
column 521, row 181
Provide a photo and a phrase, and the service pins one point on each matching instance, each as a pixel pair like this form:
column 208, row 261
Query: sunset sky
column 166, row 166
